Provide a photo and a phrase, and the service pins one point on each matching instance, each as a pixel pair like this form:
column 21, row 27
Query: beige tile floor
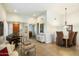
column 52, row 49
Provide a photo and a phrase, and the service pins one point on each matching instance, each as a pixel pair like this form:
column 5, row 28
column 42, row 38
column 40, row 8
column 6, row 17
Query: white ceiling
column 38, row 8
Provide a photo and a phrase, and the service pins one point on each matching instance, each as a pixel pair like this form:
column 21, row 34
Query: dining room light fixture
column 66, row 27
column 65, row 16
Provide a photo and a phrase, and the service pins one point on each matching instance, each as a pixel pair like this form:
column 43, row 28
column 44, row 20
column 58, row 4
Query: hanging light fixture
column 65, row 27
column 65, row 16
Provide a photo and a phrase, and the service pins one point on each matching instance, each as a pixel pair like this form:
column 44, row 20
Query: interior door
column 16, row 28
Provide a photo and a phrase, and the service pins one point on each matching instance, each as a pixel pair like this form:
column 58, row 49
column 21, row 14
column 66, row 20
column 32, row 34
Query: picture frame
column 69, row 27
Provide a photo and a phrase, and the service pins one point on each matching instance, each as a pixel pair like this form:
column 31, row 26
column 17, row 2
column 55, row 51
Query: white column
column 10, row 28
column 5, row 29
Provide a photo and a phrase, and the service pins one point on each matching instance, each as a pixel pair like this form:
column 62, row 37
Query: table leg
column 66, row 43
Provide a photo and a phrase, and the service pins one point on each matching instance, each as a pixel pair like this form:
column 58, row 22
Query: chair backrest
column 59, row 35
column 71, row 38
column 74, row 40
column 75, row 35
column 71, row 35
column 59, row 38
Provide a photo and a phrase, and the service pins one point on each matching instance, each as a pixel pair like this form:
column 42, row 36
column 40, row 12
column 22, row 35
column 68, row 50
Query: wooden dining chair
column 59, row 38
column 74, row 40
column 71, row 38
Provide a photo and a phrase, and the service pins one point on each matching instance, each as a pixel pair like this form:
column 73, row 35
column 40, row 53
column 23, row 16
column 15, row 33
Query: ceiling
column 39, row 8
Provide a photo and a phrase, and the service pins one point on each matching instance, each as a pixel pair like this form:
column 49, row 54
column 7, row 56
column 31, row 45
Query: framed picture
column 69, row 27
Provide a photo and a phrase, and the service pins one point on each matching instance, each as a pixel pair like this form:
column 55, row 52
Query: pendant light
column 65, row 16
column 65, row 27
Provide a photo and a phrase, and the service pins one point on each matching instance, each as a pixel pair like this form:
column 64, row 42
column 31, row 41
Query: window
column 1, row 28
column 41, row 28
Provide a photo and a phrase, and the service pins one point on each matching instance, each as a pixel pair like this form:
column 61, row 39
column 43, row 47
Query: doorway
column 16, row 28
column 31, row 31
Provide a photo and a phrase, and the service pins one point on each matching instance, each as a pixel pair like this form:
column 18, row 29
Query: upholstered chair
column 74, row 40
column 59, row 38
column 71, row 38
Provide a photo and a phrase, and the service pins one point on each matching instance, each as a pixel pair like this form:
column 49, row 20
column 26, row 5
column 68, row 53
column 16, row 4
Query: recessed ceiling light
column 15, row 10
column 34, row 15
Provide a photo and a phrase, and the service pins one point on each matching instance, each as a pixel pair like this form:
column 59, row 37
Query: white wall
column 10, row 28
column 54, row 25
column 3, row 17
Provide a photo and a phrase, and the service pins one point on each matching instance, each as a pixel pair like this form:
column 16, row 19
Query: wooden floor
column 52, row 49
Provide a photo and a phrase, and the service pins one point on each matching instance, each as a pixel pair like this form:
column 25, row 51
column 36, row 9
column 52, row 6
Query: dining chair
column 71, row 38
column 74, row 40
column 59, row 38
